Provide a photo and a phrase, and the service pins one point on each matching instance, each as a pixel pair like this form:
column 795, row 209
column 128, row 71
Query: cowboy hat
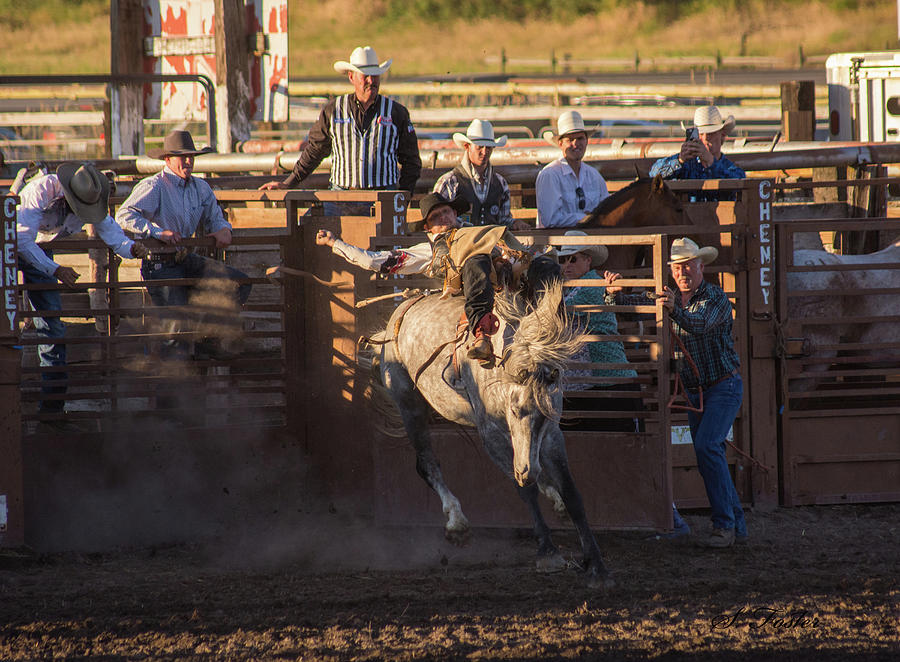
column 430, row 202
column 178, row 143
column 86, row 190
column 363, row 60
column 597, row 252
column 569, row 122
column 708, row 119
column 684, row 250
column 480, row 132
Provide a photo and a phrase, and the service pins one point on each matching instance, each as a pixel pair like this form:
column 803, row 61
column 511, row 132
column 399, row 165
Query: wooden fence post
column 12, row 510
column 798, row 110
column 761, row 371
column 126, row 108
column 233, row 92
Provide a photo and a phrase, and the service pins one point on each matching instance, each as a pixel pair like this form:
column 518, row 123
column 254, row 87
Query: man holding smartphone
column 701, row 154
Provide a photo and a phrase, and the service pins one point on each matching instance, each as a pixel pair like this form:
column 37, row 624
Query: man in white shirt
column 56, row 206
column 567, row 189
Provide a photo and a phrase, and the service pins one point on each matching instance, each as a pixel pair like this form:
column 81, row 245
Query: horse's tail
column 378, row 398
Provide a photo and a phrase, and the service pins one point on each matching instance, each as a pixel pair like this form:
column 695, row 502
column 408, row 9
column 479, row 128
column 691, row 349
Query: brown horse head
column 645, row 202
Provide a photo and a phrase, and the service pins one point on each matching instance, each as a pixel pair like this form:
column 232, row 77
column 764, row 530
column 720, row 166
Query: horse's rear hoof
column 550, row 564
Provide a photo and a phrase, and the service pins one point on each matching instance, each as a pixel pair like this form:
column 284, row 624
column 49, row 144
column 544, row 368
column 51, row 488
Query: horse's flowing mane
column 544, row 341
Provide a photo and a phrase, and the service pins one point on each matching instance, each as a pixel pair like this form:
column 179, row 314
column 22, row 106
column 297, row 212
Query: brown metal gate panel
column 839, row 371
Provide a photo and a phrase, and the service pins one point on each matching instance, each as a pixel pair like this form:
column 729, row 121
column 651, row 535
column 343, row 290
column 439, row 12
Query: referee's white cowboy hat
column 708, row 119
column 684, row 250
column 363, row 60
column 597, row 252
column 570, row 121
column 480, row 132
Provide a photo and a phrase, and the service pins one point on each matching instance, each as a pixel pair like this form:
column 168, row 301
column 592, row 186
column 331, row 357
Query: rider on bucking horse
column 472, row 259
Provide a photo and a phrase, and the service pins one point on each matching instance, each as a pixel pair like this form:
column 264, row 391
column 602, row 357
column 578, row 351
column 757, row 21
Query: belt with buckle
column 158, row 258
column 705, row 387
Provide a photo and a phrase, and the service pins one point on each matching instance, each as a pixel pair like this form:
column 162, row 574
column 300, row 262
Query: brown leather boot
column 481, row 348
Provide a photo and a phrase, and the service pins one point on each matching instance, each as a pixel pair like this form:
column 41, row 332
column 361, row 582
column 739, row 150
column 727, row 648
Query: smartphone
column 691, row 133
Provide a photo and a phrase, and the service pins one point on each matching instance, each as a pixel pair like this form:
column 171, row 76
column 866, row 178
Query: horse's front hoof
column 551, row 563
column 458, row 537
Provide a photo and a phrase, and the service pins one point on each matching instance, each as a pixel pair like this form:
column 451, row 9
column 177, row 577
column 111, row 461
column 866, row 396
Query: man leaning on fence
column 370, row 138
column 169, row 206
column 55, row 206
column 709, row 367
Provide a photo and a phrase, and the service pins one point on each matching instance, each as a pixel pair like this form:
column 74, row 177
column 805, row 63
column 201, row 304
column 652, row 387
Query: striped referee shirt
column 372, row 148
column 704, row 326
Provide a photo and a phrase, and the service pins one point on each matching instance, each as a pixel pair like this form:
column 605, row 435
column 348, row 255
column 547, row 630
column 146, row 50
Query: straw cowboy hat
column 480, row 132
column 708, row 119
column 363, row 60
column 684, row 250
column 178, row 143
column 598, row 252
column 569, row 122
column 428, row 203
column 86, row 190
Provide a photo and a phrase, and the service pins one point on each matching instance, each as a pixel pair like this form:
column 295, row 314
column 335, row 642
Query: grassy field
column 72, row 36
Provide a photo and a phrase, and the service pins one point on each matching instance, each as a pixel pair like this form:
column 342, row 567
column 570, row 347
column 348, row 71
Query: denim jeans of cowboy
column 53, row 353
column 193, row 266
column 721, row 404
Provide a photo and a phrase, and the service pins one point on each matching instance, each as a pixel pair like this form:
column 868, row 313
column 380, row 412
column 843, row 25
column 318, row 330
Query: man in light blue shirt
column 701, row 155
column 170, row 206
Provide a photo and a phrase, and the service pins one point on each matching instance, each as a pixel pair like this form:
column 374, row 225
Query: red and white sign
column 180, row 39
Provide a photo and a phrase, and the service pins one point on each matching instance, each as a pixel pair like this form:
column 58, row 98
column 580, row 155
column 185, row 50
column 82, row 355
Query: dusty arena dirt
column 817, row 583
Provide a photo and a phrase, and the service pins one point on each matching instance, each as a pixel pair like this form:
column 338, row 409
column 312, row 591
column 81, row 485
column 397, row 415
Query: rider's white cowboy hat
column 363, row 60
column 570, row 121
column 598, row 252
column 684, row 250
column 86, row 190
column 480, row 132
column 708, row 119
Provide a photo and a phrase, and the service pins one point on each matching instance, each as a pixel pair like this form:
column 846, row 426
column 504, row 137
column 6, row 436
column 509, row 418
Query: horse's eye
column 522, row 376
column 554, row 375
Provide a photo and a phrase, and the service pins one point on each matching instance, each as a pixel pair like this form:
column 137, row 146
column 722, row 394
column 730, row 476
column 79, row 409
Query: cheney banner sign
column 180, row 39
column 8, row 267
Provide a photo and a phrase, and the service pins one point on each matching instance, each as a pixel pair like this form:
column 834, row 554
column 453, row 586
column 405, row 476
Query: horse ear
column 658, row 184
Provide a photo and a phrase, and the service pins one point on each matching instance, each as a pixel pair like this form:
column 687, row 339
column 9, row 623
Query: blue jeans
column 53, row 353
column 721, row 404
column 193, row 266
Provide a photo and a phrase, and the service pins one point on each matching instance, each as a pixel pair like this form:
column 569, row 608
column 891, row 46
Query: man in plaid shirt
column 701, row 318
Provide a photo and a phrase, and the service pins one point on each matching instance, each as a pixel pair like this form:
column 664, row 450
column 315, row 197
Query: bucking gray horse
column 515, row 406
